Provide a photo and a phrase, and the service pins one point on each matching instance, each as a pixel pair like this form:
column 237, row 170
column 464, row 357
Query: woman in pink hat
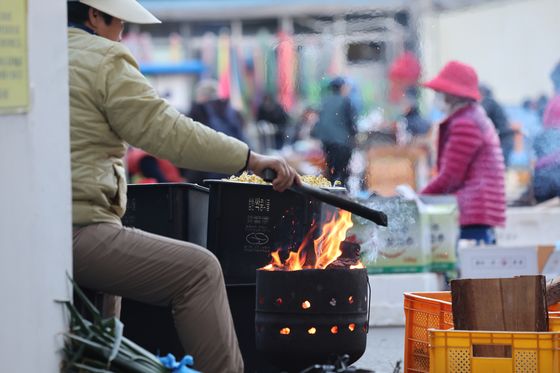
column 470, row 161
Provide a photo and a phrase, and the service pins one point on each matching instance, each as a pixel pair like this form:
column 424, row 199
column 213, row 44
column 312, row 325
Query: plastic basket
column 432, row 310
column 423, row 311
column 452, row 351
column 553, row 322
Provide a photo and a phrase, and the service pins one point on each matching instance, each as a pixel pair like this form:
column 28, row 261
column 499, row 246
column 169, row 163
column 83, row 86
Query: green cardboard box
column 443, row 216
column 403, row 246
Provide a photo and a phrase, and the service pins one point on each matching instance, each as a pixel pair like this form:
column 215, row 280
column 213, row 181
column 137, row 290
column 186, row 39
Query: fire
column 326, row 247
column 285, row 331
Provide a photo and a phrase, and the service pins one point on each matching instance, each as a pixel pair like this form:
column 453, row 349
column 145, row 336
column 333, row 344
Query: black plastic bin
column 242, row 301
column 246, row 222
column 174, row 210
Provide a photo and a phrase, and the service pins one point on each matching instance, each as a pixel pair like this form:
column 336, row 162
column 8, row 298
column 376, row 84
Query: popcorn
column 247, row 178
column 316, row 181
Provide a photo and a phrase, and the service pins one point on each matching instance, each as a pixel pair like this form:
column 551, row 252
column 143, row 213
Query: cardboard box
column 443, row 218
column 390, row 166
column 552, row 266
column 536, row 225
column 500, row 262
column 403, row 246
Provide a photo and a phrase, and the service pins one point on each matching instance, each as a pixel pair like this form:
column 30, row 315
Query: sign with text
column 14, row 84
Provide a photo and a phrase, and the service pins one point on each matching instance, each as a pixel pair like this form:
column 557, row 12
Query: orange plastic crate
column 432, row 310
column 423, row 311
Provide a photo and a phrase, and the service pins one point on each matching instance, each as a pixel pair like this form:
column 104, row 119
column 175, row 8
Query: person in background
column 546, row 179
column 470, row 161
column 530, row 121
column 144, row 168
column 540, row 105
column 272, row 112
column 336, row 129
column 301, row 131
column 416, row 125
column 219, row 115
column 497, row 115
column 216, row 113
column 111, row 105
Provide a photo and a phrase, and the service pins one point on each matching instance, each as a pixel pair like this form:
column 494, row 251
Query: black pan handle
column 268, row 175
column 378, row 217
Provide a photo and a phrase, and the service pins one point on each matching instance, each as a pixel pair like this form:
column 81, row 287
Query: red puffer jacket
column 471, row 165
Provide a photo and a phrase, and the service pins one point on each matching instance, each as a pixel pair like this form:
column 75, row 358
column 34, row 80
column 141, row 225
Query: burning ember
column 329, row 249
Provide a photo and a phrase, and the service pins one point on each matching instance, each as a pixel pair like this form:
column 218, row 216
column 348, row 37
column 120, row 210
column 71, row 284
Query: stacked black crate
column 174, row 210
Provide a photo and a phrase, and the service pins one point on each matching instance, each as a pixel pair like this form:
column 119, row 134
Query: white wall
column 513, row 44
column 35, row 203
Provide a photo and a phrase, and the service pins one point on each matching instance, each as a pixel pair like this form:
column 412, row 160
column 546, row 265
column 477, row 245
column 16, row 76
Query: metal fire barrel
column 311, row 316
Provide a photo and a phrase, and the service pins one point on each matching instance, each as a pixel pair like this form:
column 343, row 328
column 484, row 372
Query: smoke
column 403, row 218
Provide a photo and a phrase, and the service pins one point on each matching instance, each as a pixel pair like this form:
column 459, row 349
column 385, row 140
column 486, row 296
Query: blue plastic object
column 182, row 366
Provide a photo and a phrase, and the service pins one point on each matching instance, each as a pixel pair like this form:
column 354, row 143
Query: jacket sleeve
column 464, row 141
column 140, row 117
column 351, row 115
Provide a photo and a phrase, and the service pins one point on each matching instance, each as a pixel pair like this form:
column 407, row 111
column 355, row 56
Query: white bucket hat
column 127, row 10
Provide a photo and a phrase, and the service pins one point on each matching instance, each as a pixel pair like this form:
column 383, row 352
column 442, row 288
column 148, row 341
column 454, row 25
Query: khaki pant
column 161, row 271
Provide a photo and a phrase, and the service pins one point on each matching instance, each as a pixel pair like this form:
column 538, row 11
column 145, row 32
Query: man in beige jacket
column 112, row 105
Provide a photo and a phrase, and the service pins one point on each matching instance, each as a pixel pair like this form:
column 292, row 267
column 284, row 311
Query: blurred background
column 273, row 63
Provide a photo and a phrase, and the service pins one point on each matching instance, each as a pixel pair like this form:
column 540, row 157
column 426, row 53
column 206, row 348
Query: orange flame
column 276, row 262
column 326, row 247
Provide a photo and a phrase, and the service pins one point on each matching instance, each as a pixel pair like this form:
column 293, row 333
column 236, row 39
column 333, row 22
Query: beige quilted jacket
column 113, row 105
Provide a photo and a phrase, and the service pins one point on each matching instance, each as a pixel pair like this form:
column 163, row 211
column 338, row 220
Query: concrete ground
column 385, row 347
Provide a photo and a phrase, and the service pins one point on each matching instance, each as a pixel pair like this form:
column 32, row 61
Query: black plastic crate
column 174, row 210
column 152, row 327
column 242, row 302
column 246, row 222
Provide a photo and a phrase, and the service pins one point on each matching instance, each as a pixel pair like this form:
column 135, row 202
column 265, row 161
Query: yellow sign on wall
column 14, row 81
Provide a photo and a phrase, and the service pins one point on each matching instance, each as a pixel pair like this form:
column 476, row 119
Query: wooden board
column 507, row 304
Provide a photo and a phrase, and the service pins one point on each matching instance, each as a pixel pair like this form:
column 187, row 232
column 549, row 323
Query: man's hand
column 285, row 174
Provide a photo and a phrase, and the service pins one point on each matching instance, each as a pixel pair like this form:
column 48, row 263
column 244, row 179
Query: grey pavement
column 385, row 346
